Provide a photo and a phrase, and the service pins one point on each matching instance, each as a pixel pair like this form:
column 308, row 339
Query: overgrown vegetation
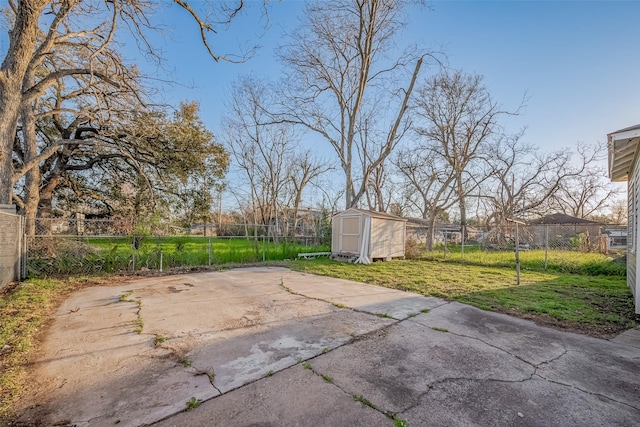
column 109, row 255
column 599, row 305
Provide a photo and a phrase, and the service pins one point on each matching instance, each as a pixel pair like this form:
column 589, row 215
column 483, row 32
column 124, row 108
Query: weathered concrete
column 630, row 337
column 202, row 334
column 360, row 296
column 294, row 397
column 240, row 341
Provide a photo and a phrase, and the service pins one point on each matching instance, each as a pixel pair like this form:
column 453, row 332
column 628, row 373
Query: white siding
column 633, row 194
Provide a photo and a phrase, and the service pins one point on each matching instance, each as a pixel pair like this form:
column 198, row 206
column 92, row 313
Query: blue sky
column 576, row 62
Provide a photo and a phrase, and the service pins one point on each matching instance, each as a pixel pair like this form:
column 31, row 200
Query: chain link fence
column 449, row 241
column 79, row 246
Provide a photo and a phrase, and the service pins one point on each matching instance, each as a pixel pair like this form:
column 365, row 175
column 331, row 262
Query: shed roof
column 373, row 214
column 623, row 145
column 560, row 218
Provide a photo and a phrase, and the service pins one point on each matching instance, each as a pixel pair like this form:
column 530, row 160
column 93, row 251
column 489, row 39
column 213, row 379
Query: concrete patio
column 268, row 346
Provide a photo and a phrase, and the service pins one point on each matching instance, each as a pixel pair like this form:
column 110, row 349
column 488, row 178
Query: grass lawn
column 595, row 305
column 559, row 261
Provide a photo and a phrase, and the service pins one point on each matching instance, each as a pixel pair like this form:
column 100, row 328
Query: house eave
column 623, row 148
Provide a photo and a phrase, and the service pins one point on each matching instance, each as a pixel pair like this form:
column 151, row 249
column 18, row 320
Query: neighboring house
column 363, row 236
column 616, row 236
column 624, row 166
column 418, row 230
column 562, row 231
column 210, row 230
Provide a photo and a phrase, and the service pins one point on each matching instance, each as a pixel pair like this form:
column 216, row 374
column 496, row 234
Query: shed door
column 350, row 234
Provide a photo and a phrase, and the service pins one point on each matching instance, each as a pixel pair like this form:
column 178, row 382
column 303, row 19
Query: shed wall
column 346, row 233
column 387, row 238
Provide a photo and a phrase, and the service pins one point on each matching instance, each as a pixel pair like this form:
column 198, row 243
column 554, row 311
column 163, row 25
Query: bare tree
column 523, row 179
column 619, row 211
column 41, row 27
column 71, row 104
column 429, row 184
column 457, row 118
column 589, row 192
column 344, row 83
column 304, row 169
column 262, row 152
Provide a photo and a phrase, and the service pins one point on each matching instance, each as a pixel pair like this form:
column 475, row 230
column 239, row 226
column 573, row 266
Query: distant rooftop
column 560, row 218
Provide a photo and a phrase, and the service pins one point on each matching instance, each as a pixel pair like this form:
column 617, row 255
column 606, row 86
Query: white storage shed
column 361, row 236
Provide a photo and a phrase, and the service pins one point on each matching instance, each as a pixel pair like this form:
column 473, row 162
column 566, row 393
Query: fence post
column 209, row 251
column 23, row 249
column 462, row 228
column 160, row 260
column 546, row 245
column 444, row 233
column 263, row 250
column 133, row 254
column 517, row 256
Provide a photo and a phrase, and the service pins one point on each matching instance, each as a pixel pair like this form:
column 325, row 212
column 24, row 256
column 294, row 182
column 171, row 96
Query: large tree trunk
column 22, row 39
column 432, row 230
column 463, row 210
column 10, row 97
column 32, row 178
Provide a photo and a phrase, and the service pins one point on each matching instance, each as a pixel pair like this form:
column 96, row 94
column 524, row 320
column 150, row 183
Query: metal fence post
column 546, row 245
column 209, row 249
column 133, row 254
column 444, row 233
column 517, row 256
column 160, row 260
column 263, row 250
column 462, row 227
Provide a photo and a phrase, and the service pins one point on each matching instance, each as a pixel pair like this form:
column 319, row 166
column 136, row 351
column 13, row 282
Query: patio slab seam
column 357, row 310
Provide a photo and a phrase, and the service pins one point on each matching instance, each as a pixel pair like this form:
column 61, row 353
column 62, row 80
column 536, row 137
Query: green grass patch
column 327, row 378
column 193, row 403
column 159, row 340
column 398, row 422
column 99, row 255
column 593, row 264
column 599, row 305
column 365, row 402
column 23, row 311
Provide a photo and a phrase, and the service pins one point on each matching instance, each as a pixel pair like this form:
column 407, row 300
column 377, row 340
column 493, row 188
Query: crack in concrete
column 389, row 414
column 565, row 350
column 637, row 408
column 212, row 378
column 339, row 305
column 536, row 368
column 434, row 384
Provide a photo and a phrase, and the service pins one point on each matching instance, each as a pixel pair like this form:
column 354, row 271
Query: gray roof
column 636, row 127
column 560, row 218
column 374, row 214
